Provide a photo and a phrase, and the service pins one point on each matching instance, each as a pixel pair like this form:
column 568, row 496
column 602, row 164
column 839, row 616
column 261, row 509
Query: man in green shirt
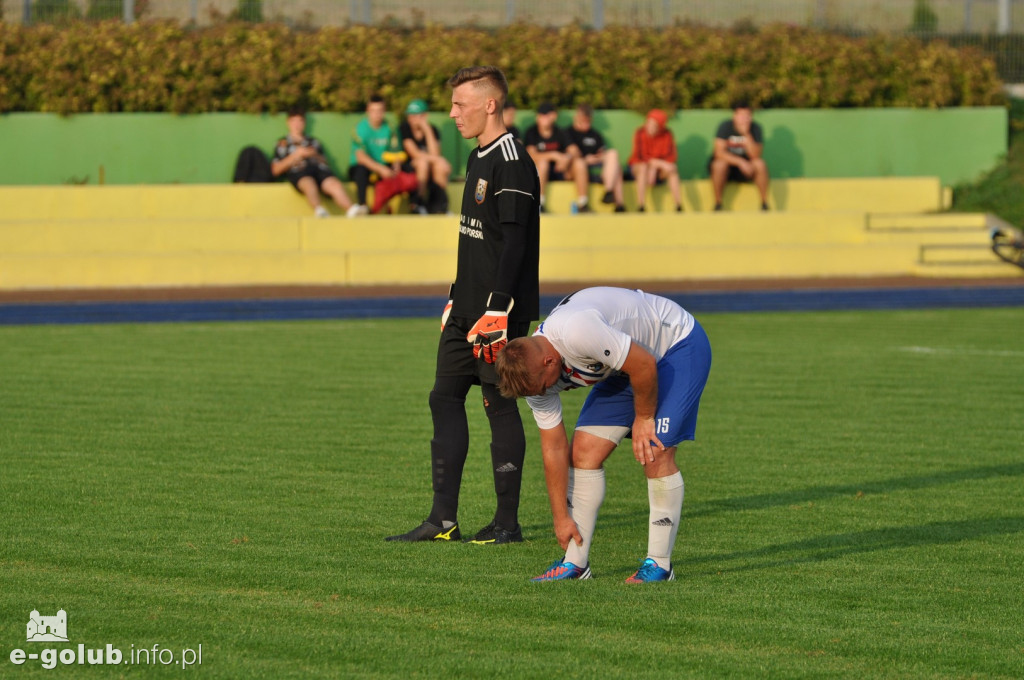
column 371, row 141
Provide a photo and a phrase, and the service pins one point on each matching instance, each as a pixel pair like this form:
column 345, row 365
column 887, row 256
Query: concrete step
column 198, row 201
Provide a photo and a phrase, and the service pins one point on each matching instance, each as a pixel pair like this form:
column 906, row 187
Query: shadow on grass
column 831, row 547
column 817, row 493
column 811, row 494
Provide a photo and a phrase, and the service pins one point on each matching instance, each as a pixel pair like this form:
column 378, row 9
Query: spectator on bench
column 556, row 157
column 508, row 114
column 371, row 141
column 654, row 158
column 301, row 159
column 600, row 159
column 421, row 140
column 737, row 154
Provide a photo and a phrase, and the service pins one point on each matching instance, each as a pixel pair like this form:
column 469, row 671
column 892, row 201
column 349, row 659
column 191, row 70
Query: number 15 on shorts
column 662, row 425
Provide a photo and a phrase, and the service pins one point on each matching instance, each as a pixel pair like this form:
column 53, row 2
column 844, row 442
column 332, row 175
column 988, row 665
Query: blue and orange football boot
column 649, row 572
column 561, row 570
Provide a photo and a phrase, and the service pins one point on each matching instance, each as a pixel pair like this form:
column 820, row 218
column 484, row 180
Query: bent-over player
column 495, row 297
column 648, row 360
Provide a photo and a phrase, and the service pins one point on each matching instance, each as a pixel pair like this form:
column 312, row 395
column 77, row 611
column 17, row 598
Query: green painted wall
column 956, row 145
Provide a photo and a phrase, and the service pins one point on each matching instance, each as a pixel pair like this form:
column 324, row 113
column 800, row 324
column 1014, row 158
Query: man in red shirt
column 654, row 158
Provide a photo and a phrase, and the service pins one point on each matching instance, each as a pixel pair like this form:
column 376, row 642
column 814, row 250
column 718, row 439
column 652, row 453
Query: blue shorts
column 682, row 374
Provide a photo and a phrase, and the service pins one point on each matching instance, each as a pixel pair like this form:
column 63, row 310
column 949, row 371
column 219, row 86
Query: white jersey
column 593, row 328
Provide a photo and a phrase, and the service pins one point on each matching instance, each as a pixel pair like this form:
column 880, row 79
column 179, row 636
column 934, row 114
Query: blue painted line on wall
column 409, row 307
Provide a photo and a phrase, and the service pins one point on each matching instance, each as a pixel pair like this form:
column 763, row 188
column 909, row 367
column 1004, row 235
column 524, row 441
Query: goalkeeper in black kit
column 494, row 298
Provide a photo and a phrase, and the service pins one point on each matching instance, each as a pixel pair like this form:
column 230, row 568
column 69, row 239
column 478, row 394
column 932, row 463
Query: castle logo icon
column 47, row 628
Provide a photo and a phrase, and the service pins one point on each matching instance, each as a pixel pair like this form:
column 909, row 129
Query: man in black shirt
column 736, row 157
column 421, row 141
column 599, row 157
column 301, row 159
column 494, row 298
column 556, row 157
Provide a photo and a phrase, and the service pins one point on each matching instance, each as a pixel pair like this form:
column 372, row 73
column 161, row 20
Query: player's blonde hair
column 511, row 365
column 490, row 76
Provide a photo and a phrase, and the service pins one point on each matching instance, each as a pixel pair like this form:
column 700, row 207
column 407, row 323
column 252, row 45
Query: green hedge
column 1007, row 51
column 164, row 67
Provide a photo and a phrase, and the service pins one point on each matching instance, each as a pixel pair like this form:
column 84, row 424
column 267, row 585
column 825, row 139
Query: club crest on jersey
column 481, row 190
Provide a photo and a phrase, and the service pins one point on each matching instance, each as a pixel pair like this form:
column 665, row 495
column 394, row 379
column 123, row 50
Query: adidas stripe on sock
column 586, row 493
column 666, row 499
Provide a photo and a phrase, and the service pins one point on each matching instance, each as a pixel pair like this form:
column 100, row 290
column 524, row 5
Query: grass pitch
column 853, row 507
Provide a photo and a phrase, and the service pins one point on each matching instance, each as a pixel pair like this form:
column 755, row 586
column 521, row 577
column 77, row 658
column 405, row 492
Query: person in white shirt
column 648, row 361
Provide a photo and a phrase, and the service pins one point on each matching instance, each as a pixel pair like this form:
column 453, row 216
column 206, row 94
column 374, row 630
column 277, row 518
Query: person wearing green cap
column 421, row 140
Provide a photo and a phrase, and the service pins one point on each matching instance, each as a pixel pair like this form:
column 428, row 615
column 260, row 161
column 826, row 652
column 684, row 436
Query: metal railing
column 996, row 26
column 999, row 17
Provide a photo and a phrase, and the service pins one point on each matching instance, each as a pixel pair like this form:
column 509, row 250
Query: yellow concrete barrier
column 198, row 201
column 949, row 221
column 170, row 201
column 153, row 236
column 218, row 235
column 874, row 195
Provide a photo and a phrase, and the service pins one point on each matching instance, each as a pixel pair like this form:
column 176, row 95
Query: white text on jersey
column 471, row 226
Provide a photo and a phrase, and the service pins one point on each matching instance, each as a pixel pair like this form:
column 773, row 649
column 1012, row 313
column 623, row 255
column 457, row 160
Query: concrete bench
column 238, row 235
column 876, row 195
column 194, row 201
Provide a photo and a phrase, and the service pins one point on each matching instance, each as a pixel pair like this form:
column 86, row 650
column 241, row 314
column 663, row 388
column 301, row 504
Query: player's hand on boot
column 490, row 333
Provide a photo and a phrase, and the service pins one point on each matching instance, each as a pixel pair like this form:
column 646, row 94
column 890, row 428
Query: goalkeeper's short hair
column 491, row 76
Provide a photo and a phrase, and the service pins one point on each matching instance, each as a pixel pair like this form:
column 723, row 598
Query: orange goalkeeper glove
column 490, row 333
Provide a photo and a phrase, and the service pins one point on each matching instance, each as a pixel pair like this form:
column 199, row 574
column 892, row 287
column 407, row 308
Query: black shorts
column 455, row 354
column 317, row 173
column 735, row 174
column 554, row 175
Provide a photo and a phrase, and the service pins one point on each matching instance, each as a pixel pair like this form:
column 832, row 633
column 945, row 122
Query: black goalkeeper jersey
column 502, row 190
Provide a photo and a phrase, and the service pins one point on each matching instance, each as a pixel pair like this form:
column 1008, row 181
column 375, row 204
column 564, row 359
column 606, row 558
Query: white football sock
column 666, row 497
column 586, row 493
